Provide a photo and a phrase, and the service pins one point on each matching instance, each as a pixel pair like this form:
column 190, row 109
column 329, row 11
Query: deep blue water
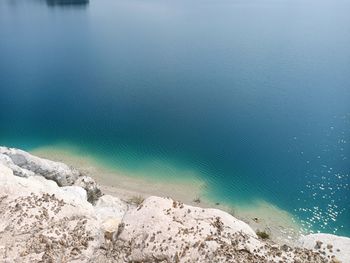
column 253, row 95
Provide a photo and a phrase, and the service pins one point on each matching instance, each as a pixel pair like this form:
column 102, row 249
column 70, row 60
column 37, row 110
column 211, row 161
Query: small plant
column 262, row 234
column 137, row 200
column 197, row 200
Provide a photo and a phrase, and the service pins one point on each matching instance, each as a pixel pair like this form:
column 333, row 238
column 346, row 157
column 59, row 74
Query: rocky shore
column 50, row 212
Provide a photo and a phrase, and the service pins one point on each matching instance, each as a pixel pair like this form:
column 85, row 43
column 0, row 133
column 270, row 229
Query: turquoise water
column 253, row 96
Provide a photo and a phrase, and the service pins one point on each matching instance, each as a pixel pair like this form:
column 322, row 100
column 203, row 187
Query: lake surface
column 254, row 96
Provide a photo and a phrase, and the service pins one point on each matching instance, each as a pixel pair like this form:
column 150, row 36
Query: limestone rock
column 334, row 247
column 39, row 221
column 109, row 211
column 109, row 206
column 24, row 164
column 76, row 191
column 91, row 187
column 164, row 230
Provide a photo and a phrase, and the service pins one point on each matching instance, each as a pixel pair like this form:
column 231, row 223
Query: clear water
column 253, row 95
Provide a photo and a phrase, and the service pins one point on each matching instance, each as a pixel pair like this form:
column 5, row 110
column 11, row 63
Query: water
column 252, row 95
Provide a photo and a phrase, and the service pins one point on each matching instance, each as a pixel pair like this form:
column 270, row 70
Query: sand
column 260, row 215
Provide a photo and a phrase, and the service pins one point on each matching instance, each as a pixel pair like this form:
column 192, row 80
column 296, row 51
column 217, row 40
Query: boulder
column 91, row 188
column 109, row 206
column 164, row 230
column 110, row 211
column 334, row 247
column 77, row 191
column 41, row 222
column 24, row 164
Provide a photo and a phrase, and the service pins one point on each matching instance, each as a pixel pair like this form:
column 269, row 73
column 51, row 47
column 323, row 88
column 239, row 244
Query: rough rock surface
column 164, row 230
column 91, row 187
column 110, row 211
column 329, row 245
column 43, row 222
column 24, row 164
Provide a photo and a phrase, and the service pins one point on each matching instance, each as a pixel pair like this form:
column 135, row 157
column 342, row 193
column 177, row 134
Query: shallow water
column 252, row 96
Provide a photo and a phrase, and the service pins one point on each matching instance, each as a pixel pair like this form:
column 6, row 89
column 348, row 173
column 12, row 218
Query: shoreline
column 261, row 215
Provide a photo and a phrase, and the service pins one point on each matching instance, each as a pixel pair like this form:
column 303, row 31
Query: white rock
column 111, row 225
column 331, row 244
column 109, row 206
column 35, row 213
column 76, row 191
column 25, row 165
column 91, row 187
column 109, row 211
column 159, row 227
